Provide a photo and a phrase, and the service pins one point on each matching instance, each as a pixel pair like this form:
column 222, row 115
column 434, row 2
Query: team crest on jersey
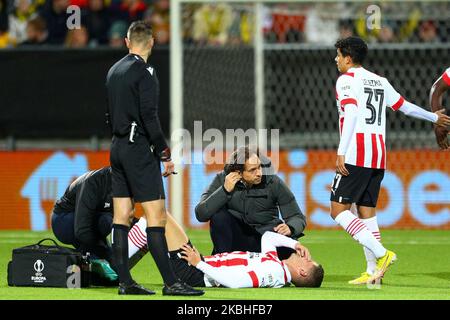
column 150, row 69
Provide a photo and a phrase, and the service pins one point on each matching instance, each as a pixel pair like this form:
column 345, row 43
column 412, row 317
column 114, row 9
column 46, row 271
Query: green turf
column 421, row 272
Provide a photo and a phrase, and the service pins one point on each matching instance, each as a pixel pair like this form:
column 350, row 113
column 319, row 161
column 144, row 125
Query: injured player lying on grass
column 233, row 269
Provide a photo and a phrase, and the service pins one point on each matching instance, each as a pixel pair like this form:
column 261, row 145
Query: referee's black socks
column 157, row 245
column 120, row 253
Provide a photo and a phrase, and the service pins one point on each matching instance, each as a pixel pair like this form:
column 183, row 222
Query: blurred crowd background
column 104, row 22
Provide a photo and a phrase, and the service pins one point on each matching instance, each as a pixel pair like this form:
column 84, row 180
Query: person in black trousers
column 82, row 217
column 138, row 146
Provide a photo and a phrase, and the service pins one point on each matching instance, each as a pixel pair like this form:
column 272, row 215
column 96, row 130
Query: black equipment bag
column 41, row 265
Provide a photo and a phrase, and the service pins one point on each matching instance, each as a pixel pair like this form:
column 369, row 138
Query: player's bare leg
column 337, row 208
column 175, row 235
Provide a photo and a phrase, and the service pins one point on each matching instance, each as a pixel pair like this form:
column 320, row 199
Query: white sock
column 358, row 230
column 372, row 225
column 137, row 238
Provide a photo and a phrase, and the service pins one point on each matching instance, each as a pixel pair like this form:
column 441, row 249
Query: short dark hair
column 139, row 32
column 313, row 280
column 237, row 159
column 353, row 47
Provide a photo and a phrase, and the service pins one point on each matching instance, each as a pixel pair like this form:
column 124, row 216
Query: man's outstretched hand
column 443, row 120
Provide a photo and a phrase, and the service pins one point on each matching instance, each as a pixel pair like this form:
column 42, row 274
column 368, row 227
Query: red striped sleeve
column 254, row 278
column 348, row 101
column 398, row 104
column 360, row 149
column 446, row 78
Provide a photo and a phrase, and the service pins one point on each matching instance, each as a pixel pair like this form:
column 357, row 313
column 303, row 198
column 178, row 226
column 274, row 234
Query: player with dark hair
column 244, row 201
column 362, row 98
column 239, row 269
column 137, row 149
column 436, row 93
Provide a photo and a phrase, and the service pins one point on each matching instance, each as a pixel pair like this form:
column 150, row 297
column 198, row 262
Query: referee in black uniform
column 138, row 146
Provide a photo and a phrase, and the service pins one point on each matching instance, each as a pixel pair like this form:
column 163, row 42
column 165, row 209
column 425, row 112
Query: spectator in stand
column 22, row 12
column 77, row 38
column 288, row 24
column 159, row 18
column 83, row 4
column 345, row 29
column 386, row 34
column 36, row 32
column 55, row 15
column 97, row 21
column 212, row 23
column 241, row 30
column 322, row 24
column 129, row 10
column 117, row 34
column 428, row 32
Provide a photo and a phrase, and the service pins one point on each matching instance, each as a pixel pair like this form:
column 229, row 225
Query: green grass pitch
column 422, row 271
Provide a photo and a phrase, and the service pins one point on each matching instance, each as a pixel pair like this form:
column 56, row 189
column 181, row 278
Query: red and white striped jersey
column 249, row 269
column 446, row 76
column 371, row 94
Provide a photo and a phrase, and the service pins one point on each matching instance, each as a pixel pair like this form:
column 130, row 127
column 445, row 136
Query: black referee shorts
column 361, row 186
column 136, row 170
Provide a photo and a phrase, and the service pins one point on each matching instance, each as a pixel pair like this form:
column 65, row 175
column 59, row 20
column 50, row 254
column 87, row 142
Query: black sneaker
column 181, row 289
column 134, row 288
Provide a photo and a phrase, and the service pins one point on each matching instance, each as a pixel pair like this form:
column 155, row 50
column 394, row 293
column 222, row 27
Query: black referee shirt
column 133, row 93
column 86, row 197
